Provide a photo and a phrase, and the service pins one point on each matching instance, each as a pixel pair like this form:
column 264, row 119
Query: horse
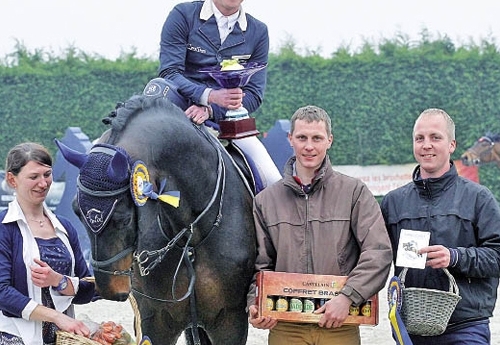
column 169, row 217
column 62, row 171
column 485, row 150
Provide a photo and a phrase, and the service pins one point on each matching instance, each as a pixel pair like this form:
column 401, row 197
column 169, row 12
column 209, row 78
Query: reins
column 187, row 251
column 144, row 258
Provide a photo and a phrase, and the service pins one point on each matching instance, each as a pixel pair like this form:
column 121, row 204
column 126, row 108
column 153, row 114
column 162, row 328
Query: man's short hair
column 311, row 113
column 450, row 124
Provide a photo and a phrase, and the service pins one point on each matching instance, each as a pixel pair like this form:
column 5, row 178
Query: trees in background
column 373, row 95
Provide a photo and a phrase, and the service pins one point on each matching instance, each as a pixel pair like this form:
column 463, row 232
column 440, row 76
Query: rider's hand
column 227, row 98
column 198, row 113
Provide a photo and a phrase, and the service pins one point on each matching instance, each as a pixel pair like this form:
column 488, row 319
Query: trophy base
column 237, row 128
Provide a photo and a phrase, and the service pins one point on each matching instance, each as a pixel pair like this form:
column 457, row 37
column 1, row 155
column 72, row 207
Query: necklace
column 41, row 221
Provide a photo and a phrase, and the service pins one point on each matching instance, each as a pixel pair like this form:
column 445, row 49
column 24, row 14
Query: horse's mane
column 120, row 116
column 493, row 136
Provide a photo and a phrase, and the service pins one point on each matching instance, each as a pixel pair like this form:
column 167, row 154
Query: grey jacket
column 337, row 228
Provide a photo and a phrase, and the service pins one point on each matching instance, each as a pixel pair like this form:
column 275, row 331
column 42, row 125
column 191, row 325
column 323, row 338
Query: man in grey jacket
column 319, row 221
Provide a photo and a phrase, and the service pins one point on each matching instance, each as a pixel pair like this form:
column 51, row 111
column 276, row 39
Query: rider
column 202, row 34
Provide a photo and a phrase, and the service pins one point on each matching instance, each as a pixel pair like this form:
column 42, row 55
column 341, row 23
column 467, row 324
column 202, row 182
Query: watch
column 63, row 284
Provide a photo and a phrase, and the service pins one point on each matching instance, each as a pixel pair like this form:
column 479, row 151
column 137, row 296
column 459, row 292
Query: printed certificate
column 410, row 241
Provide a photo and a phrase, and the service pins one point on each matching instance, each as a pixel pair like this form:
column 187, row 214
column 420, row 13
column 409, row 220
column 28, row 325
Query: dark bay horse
column 169, row 219
column 485, row 150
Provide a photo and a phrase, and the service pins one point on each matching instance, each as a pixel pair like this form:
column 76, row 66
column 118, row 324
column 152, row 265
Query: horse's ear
column 118, row 167
column 76, row 158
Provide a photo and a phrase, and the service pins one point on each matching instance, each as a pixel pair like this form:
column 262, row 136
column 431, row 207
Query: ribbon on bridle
column 142, row 189
column 395, row 298
column 171, row 197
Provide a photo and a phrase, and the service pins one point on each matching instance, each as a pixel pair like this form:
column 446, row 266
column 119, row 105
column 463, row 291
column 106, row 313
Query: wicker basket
column 426, row 312
column 65, row 338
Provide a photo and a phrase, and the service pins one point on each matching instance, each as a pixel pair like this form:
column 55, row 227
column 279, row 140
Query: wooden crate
column 311, row 290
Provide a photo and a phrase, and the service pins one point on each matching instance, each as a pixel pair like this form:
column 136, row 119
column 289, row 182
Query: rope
column 137, row 316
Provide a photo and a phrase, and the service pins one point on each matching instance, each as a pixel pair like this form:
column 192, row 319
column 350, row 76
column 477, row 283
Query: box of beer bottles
column 294, row 297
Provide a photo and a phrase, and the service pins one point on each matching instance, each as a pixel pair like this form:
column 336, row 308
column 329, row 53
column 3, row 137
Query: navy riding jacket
column 190, row 43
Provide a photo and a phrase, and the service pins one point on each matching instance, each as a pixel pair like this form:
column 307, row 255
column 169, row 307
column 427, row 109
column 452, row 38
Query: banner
column 381, row 179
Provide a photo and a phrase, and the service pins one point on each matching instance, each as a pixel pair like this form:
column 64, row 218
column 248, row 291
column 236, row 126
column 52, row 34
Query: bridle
column 99, row 265
column 147, row 260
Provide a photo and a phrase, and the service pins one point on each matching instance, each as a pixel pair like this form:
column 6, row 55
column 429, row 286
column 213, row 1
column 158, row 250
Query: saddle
column 245, row 166
column 243, row 163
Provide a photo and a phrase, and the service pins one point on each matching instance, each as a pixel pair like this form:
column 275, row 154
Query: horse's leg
column 237, row 322
column 159, row 330
column 203, row 337
column 158, row 323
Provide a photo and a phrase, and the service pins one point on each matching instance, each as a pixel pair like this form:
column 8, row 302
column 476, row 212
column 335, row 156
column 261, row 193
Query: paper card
column 410, row 241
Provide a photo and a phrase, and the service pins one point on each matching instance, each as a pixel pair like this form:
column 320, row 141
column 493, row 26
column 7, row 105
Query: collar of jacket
column 290, row 181
column 433, row 187
column 207, row 11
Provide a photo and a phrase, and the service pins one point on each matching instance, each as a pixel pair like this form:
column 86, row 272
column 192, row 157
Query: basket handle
column 453, row 288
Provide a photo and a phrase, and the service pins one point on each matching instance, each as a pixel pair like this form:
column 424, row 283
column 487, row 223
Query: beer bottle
column 366, row 309
column 282, row 303
column 295, row 304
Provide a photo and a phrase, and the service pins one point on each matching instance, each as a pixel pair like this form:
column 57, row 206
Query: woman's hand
column 43, row 275
column 71, row 325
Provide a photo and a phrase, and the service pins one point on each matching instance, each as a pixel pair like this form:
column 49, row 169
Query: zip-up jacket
column 337, row 229
column 459, row 214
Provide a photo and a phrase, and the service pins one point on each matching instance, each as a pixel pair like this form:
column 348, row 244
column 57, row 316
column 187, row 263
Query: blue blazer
column 13, row 273
column 189, row 43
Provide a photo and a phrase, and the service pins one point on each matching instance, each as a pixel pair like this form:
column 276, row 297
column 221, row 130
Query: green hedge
column 373, row 95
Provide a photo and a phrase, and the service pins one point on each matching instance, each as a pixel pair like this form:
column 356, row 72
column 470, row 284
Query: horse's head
column 106, row 208
column 485, row 150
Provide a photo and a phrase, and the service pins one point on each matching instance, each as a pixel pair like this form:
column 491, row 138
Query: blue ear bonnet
column 103, row 171
column 103, row 178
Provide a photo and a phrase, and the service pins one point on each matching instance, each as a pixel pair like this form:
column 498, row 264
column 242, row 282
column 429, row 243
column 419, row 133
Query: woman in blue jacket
column 41, row 263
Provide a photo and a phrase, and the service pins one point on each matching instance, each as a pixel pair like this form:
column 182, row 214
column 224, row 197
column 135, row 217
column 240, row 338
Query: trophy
column 237, row 124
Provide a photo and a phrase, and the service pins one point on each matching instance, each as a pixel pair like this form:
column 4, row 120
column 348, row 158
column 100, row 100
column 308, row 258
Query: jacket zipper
column 307, row 237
